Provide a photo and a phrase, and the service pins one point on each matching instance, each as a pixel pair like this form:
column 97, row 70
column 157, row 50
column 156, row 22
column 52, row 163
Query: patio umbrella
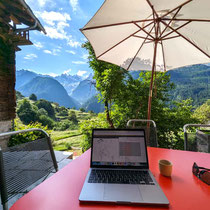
column 155, row 35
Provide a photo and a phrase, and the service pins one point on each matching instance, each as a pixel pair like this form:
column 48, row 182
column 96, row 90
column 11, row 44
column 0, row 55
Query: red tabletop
column 183, row 189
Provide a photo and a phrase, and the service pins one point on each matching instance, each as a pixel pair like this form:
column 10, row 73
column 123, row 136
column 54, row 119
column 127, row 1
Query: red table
column 183, row 189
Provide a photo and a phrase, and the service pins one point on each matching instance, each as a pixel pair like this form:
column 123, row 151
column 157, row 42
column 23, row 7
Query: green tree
column 171, row 122
column 47, row 106
column 26, row 112
column 46, row 121
column 109, row 80
column 82, row 110
column 42, row 111
column 19, row 96
column 63, row 111
column 202, row 113
column 127, row 98
column 33, row 97
column 72, row 117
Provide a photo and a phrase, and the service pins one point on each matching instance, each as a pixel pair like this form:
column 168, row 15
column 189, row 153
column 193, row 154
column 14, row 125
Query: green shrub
column 63, row 125
column 86, row 128
column 25, row 137
column 82, row 110
column 68, row 145
column 46, row 121
column 63, row 111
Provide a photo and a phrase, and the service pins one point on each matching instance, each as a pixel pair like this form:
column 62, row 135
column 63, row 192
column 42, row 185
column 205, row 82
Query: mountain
column 23, row 77
column 85, row 90
column 49, row 89
column 92, row 104
column 69, row 82
column 191, row 82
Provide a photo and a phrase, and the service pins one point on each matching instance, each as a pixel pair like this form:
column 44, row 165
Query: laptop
column 119, row 171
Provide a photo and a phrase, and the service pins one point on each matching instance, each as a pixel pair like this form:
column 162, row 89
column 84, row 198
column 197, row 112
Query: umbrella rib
column 181, row 5
column 115, row 24
column 175, row 29
column 164, row 60
column 187, row 40
column 139, row 50
column 122, row 41
column 152, row 7
column 170, row 21
column 173, row 37
column 144, row 30
column 161, row 43
column 141, row 37
column 195, row 20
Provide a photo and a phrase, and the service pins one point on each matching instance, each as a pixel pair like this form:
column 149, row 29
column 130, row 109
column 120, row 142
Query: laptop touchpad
column 118, row 192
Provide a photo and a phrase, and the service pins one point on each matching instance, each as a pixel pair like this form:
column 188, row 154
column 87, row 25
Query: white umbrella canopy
column 156, row 35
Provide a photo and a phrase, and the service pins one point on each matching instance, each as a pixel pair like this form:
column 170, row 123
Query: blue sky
column 60, row 50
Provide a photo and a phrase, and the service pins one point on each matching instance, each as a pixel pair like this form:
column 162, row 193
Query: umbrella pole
column 150, row 93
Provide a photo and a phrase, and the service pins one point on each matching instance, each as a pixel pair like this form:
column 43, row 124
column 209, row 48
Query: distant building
column 16, row 20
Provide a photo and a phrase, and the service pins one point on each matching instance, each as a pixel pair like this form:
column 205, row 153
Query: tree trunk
column 107, row 114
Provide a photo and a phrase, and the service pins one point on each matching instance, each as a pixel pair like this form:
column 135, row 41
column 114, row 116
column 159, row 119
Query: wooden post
column 150, row 94
column 151, row 82
column 7, row 81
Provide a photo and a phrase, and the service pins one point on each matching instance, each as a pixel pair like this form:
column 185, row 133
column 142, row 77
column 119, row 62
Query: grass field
column 67, row 141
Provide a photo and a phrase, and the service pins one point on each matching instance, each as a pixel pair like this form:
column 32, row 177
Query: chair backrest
column 150, row 130
column 197, row 137
column 24, row 164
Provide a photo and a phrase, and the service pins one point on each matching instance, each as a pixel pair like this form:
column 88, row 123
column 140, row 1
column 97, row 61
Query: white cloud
column 81, row 73
column 53, row 33
column 74, row 4
column 38, row 45
column 52, row 52
column 51, row 18
column 79, row 62
column 40, row 3
column 72, row 43
column 67, row 71
column 56, row 26
column 47, row 51
column 85, row 56
column 56, row 23
column 71, row 52
column 30, row 56
column 62, row 25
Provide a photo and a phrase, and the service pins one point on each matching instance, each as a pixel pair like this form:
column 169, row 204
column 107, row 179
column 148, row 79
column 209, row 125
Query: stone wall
column 5, row 126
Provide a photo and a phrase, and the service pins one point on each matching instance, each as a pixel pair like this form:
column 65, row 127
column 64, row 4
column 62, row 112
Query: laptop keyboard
column 120, row 177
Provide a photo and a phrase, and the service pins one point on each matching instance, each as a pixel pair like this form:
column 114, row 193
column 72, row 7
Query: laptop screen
column 119, row 148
